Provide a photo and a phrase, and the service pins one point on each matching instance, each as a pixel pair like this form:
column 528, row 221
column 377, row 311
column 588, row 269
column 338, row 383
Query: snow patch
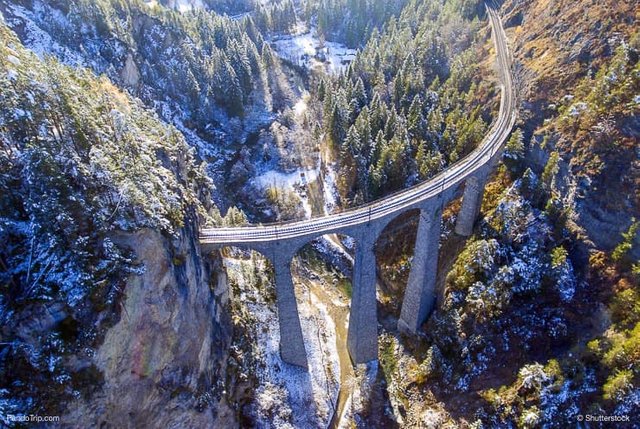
column 577, row 108
column 305, row 50
column 285, row 180
column 13, row 60
column 300, row 107
column 39, row 40
column 330, row 189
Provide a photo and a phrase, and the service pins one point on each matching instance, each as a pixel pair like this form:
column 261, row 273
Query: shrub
column 558, row 257
column 620, row 254
column 618, row 385
column 625, row 308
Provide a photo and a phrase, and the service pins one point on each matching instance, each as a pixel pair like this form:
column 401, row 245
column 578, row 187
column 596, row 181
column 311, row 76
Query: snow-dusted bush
column 532, row 377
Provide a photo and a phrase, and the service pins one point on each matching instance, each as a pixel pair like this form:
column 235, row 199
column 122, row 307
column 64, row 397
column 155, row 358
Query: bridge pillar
column 419, row 296
column 292, row 348
column 362, row 336
column 471, row 202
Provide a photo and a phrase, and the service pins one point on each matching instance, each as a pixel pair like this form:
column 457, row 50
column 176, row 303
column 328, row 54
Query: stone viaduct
column 281, row 242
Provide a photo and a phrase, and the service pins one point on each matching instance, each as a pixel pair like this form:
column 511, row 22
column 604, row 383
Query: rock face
column 553, row 49
column 163, row 361
column 130, row 74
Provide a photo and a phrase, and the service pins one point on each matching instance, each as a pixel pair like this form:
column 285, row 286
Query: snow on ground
column 240, row 16
column 306, row 205
column 339, row 56
column 297, row 45
column 285, row 180
column 295, row 181
column 346, row 417
column 330, row 189
column 304, row 50
column 288, row 396
column 330, row 244
column 301, row 106
column 179, row 5
column 39, row 40
column 185, row 6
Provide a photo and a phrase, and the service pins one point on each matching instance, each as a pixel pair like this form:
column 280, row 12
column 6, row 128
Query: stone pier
column 419, row 296
column 292, row 348
column 471, row 202
column 362, row 337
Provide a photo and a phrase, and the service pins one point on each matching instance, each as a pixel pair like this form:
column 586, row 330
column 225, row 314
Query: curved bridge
column 280, row 242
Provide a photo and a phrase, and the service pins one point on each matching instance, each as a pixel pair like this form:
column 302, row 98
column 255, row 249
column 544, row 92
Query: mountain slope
column 202, row 72
column 86, row 173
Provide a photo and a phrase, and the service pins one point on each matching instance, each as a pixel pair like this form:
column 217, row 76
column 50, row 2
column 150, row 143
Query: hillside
column 97, row 197
column 537, row 317
column 413, row 102
column 204, row 73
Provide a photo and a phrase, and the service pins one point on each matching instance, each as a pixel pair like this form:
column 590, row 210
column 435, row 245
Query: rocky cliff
column 163, row 361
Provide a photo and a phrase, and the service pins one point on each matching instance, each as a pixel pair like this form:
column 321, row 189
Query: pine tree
column 321, row 90
column 360, row 94
column 514, row 151
column 334, row 127
column 550, row 170
column 415, row 121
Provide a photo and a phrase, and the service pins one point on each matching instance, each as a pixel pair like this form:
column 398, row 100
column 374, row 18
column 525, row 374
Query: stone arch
column 329, row 252
column 395, row 245
column 292, row 348
column 420, row 243
column 362, row 331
